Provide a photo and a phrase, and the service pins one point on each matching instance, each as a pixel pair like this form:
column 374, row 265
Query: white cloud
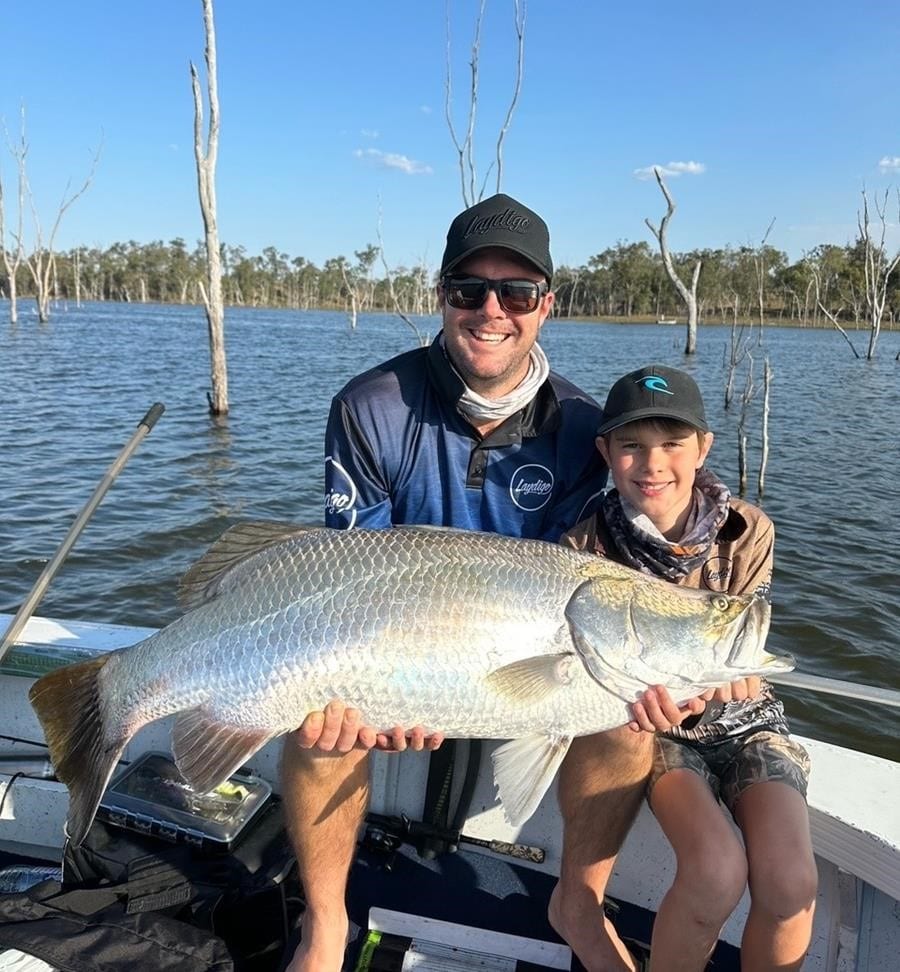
column 391, row 160
column 368, row 133
column 890, row 163
column 671, row 169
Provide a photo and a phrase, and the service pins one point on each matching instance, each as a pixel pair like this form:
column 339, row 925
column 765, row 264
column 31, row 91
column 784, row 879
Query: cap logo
column 509, row 219
column 655, row 383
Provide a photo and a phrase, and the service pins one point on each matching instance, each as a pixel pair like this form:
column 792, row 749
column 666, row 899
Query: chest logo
column 531, row 487
column 716, row 573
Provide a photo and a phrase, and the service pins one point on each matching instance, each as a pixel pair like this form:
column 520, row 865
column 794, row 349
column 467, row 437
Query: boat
column 490, row 896
column 666, row 320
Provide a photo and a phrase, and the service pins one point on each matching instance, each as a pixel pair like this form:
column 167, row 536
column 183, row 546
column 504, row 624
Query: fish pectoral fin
column 207, row 752
column 206, row 579
column 532, row 679
column 523, row 772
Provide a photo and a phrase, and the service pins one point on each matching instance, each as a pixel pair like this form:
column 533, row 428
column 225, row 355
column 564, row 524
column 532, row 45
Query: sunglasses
column 515, row 296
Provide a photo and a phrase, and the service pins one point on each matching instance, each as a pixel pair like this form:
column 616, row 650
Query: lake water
column 74, row 390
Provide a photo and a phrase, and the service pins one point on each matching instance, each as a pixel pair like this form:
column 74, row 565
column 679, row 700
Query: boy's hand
column 656, row 711
column 339, row 729
column 743, row 688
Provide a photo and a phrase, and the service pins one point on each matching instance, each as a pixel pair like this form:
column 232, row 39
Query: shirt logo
column 531, row 486
column 716, row 573
column 655, row 383
column 340, row 492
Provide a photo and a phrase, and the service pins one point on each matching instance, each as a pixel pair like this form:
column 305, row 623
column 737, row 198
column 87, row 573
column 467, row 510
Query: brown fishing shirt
column 739, row 562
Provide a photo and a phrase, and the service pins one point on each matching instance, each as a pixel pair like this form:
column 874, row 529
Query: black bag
column 128, row 902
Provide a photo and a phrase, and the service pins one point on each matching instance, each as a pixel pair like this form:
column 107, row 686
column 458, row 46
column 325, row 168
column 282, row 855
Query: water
column 75, row 389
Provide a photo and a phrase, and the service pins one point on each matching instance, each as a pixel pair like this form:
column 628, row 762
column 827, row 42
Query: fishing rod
column 837, row 686
column 53, row 565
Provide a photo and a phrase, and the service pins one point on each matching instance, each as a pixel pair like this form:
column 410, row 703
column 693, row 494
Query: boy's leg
column 601, row 785
column 711, row 874
column 774, row 819
column 325, row 797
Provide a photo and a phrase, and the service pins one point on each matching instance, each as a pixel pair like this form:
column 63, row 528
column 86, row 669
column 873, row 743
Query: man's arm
column 356, row 492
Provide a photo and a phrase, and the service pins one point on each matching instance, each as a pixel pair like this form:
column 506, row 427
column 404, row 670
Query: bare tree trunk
column 206, row 180
column 764, row 458
column 878, row 269
column 13, row 263
column 759, row 263
column 689, row 297
column 831, row 317
column 746, row 398
column 465, row 146
column 422, row 339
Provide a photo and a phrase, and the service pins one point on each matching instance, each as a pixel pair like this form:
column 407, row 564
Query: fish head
column 633, row 630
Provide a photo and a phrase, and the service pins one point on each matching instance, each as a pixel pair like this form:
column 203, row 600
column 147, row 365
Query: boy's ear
column 602, row 447
column 704, row 449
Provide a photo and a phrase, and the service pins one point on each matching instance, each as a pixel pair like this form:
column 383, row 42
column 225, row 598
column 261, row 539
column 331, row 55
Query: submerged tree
column 465, row 145
column 689, row 297
column 878, row 268
column 206, row 157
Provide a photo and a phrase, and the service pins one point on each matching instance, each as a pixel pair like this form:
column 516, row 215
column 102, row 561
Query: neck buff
column 480, row 409
column 642, row 546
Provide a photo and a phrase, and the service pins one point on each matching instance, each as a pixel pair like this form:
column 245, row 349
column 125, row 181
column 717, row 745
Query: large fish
column 473, row 634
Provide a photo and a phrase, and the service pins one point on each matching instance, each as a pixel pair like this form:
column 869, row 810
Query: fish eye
column 720, row 602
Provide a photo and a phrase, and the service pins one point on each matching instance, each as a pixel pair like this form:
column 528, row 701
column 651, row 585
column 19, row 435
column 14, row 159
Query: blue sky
column 334, row 111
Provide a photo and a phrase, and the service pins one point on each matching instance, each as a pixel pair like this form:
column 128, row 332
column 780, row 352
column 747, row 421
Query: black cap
column 654, row 391
column 500, row 221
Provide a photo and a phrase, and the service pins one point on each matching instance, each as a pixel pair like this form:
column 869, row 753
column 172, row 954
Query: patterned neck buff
column 480, row 409
column 642, row 546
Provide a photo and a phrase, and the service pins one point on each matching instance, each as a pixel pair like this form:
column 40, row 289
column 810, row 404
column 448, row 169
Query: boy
column 671, row 517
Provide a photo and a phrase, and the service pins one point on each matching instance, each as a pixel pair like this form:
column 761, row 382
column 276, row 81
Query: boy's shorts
column 733, row 764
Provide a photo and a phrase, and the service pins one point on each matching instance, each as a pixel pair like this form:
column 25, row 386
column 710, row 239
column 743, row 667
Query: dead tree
column 831, row 317
column 206, row 180
column 465, row 145
column 423, row 340
column 878, row 268
column 759, row 264
column 12, row 259
column 746, row 398
column 688, row 297
column 764, row 456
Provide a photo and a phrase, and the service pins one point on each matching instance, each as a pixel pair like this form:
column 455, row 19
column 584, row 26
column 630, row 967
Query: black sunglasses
column 515, row 296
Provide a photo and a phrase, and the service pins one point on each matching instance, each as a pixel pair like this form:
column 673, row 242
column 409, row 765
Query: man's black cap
column 499, row 221
column 654, row 391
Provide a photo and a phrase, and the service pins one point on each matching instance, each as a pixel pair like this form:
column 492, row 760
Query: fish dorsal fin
column 523, row 772
column 532, row 679
column 207, row 578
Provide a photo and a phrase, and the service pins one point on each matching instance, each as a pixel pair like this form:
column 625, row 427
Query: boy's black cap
column 499, row 221
column 654, row 391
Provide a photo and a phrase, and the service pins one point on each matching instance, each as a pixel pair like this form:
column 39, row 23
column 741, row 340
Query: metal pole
column 836, row 686
column 40, row 585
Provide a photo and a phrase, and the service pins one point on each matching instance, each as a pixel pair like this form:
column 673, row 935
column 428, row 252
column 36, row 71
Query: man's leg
column 325, row 797
column 601, row 785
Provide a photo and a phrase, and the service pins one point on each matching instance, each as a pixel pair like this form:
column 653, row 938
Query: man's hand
column 339, row 729
column 743, row 688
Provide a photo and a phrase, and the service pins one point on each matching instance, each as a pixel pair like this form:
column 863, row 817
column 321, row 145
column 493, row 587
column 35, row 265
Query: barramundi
column 470, row 634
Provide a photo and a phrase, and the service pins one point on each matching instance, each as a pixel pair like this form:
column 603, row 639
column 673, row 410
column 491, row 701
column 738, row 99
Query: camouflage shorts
column 733, row 764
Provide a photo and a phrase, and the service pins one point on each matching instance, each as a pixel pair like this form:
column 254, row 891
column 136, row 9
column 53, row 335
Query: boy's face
column 654, row 470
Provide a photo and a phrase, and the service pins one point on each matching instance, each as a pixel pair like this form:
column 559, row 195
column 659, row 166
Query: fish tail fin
column 84, row 750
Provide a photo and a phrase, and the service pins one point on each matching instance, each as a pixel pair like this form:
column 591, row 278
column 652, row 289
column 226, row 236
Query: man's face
column 490, row 346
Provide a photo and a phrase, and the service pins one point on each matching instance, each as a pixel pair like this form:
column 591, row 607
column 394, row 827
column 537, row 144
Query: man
column 474, row 432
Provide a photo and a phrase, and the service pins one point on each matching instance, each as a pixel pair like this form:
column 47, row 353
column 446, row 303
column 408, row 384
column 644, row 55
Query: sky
column 333, row 120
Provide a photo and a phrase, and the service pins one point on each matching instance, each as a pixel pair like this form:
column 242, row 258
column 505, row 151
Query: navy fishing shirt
column 398, row 451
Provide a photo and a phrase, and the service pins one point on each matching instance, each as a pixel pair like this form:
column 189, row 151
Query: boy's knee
column 787, row 890
column 713, row 881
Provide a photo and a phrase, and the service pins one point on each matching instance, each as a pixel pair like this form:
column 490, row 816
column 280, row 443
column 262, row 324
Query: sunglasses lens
column 519, row 296
column 466, row 293
column 515, row 296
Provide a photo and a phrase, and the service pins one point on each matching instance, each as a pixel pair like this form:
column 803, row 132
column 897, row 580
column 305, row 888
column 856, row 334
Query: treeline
column 625, row 280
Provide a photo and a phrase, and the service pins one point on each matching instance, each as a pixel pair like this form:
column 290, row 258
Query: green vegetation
column 624, row 281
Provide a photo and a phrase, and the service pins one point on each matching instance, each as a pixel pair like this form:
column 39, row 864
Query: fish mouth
column 746, row 655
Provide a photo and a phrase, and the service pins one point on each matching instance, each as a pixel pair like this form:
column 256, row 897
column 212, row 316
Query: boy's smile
column 654, row 470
